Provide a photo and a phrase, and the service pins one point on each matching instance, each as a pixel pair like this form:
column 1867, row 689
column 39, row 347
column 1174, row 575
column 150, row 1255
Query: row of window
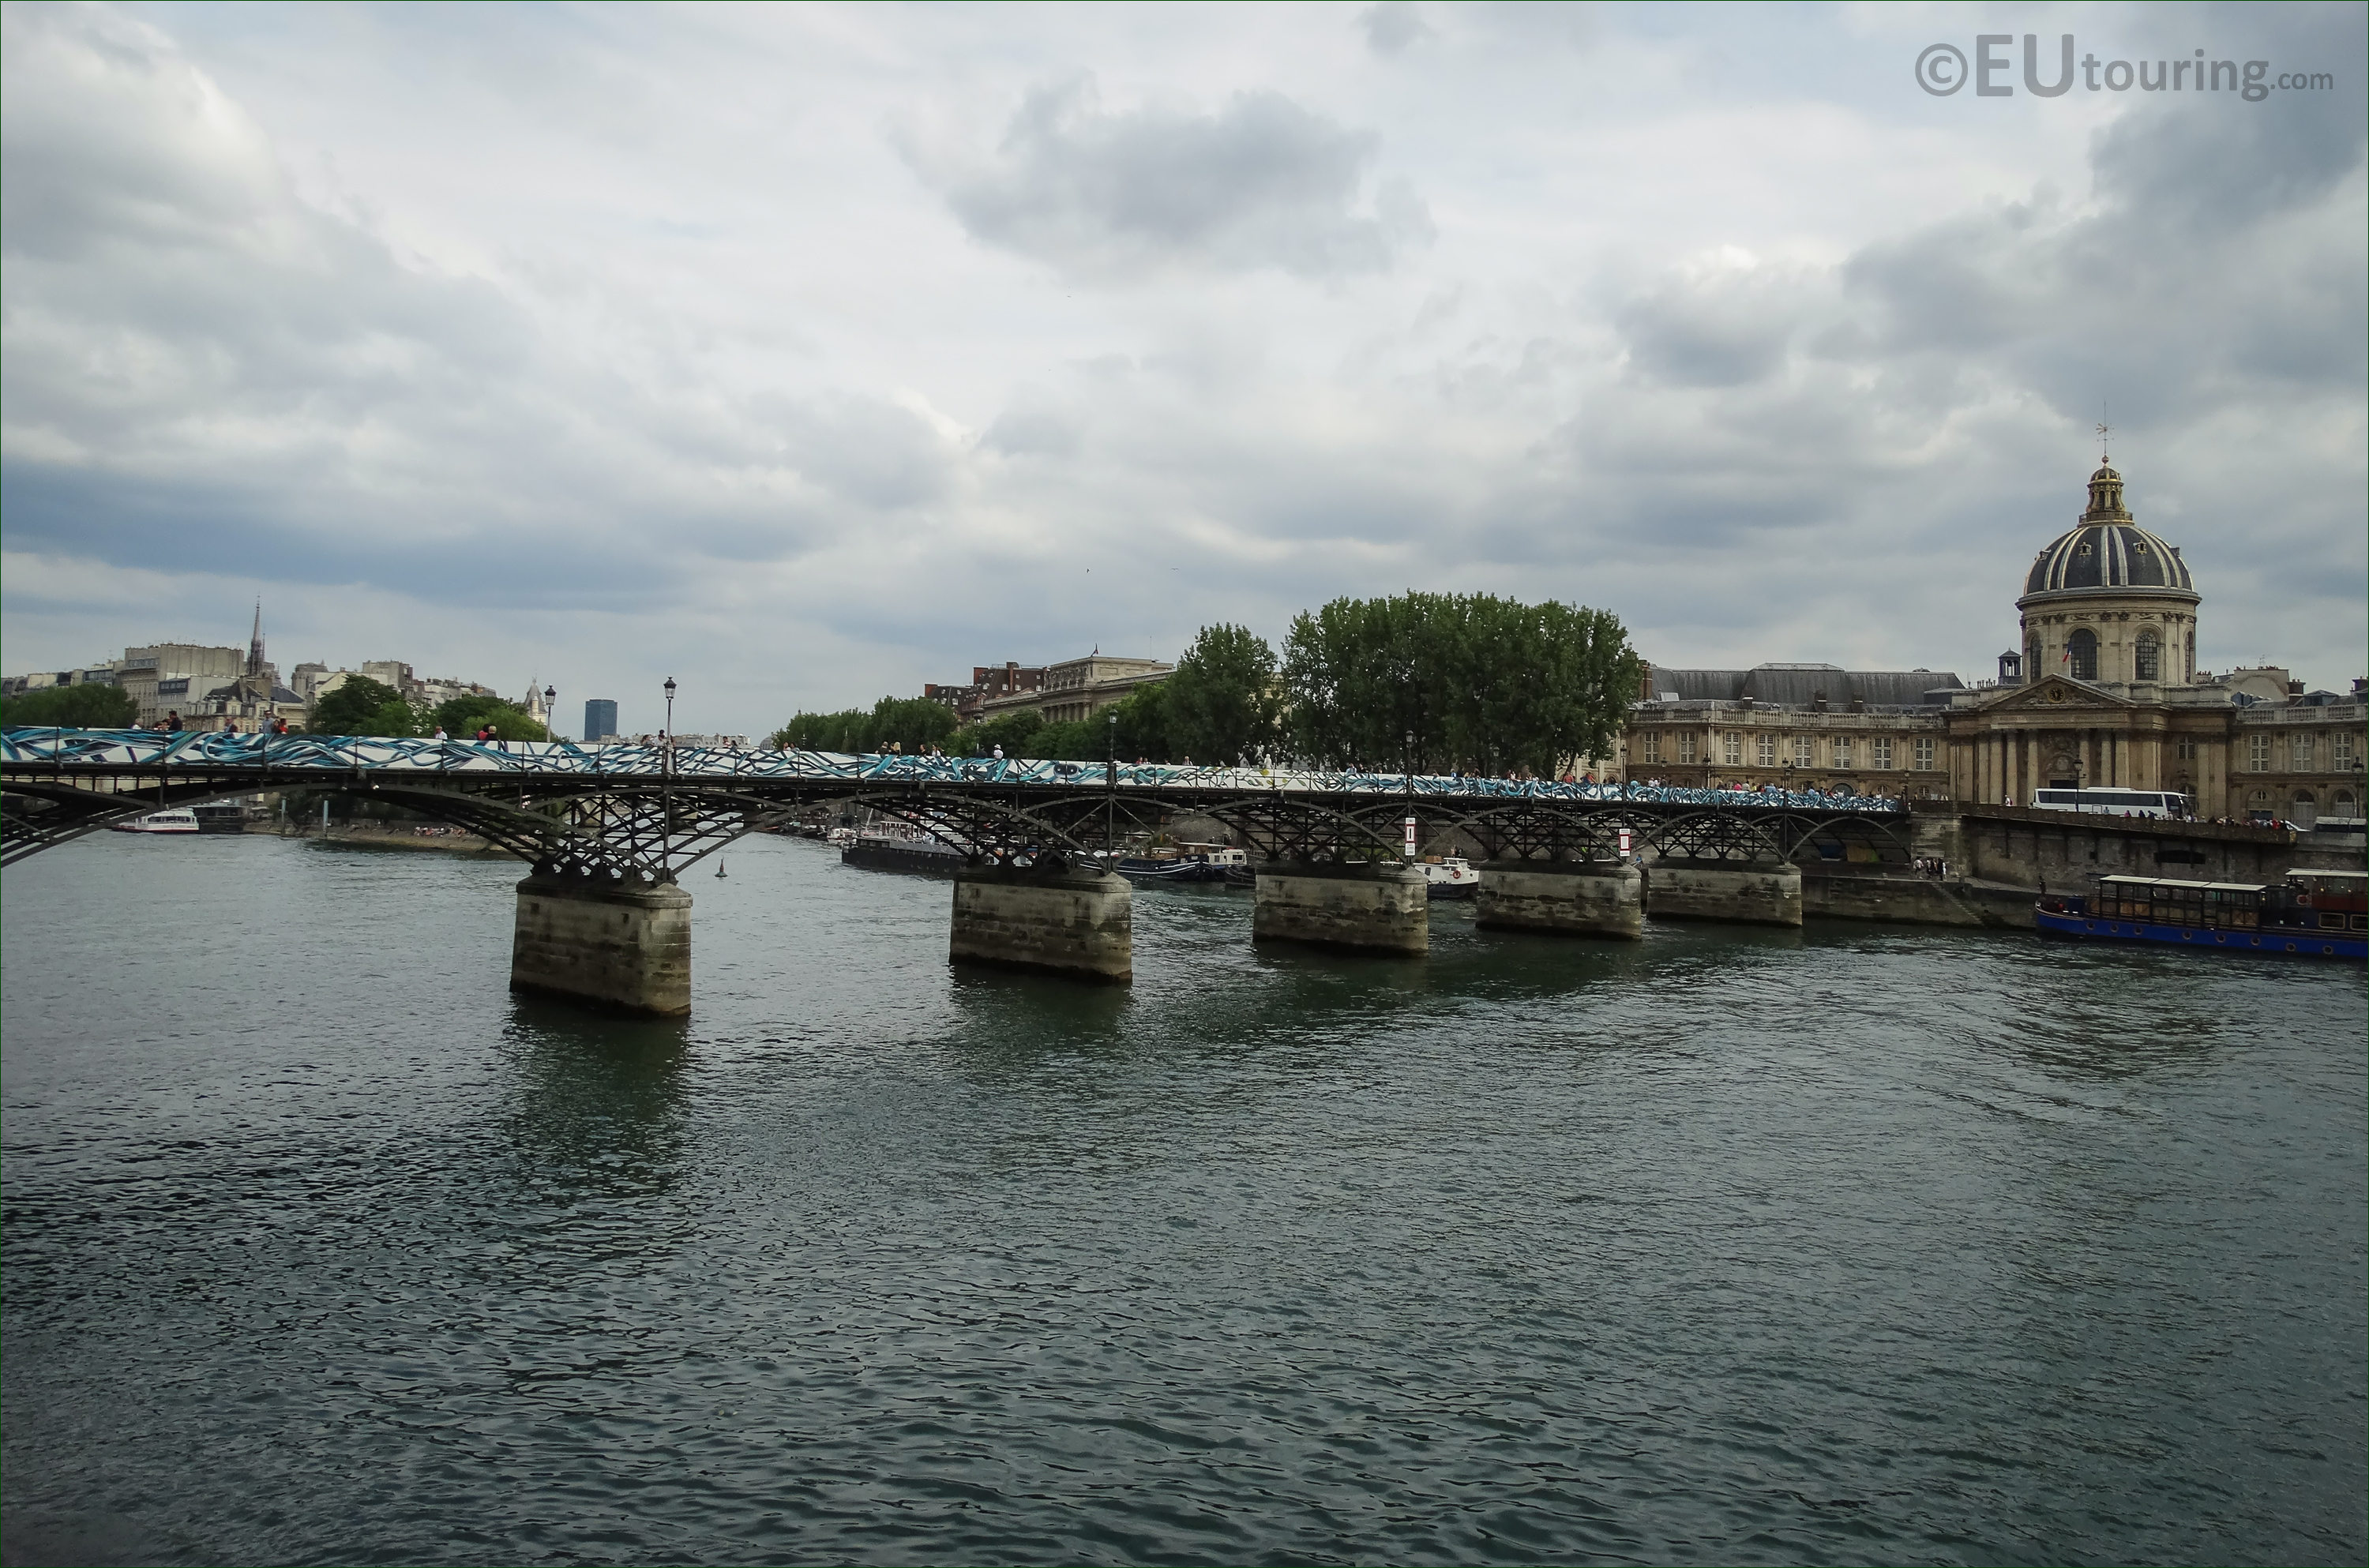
column 2340, row 803
column 2081, row 656
column 2302, row 753
column 1803, row 752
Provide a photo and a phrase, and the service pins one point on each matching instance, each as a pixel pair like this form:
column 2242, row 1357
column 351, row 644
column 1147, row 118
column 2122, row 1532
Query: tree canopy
column 912, row 724
column 72, row 707
column 1486, row 684
column 1441, row 681
column 361, row 705
column 460, row 717
column 1223, row 704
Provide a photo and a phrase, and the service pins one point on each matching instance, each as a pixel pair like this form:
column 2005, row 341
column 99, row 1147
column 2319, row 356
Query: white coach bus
column 2114, row 802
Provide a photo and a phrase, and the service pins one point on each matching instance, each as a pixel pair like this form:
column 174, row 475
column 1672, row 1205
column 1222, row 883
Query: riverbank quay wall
column 2065, row 850
column 1894, row 898
column 1744, row 892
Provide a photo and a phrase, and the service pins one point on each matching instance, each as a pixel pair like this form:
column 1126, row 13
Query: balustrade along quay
column 608, row 829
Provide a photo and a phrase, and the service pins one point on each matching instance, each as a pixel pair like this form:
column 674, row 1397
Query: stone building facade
column 1794, row 726
column 1078, row 688
column 2103, row 690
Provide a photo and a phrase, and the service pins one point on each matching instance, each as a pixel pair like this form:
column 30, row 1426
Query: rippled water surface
column 1859, row 1245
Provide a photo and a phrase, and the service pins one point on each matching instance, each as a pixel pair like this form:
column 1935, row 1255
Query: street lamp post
column 1406, row 780
column 1110, row 788
column 551, row 713
column 666, row 770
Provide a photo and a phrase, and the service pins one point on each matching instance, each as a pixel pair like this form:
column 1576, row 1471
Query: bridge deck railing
column 100, row 750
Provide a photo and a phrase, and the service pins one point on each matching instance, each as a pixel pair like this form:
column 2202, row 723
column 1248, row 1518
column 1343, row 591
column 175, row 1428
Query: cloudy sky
column 806, row 354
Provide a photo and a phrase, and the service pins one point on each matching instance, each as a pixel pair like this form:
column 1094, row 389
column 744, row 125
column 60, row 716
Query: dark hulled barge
column 2312, row 914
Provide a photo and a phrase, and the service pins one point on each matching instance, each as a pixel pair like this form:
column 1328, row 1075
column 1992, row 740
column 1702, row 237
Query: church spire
column 255, row 643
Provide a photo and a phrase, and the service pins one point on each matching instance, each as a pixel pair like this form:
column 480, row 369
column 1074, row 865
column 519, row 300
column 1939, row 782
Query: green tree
column 361, row 705
column 1143, row 725
column 1070, row 740
column 847, row 731
column 915, row 724
column 72, row 707
column 1014, row 732
column 460, row 717
column 910, row 723
column 1221, row 705
column 1455, row 680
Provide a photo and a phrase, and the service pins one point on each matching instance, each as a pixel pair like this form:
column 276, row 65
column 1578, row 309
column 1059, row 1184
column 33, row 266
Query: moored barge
column 2312, row 914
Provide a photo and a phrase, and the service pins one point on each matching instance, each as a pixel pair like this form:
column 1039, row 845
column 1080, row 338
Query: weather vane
column 2104, row 430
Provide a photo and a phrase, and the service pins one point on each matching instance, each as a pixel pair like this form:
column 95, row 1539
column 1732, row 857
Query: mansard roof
column 1799, row 685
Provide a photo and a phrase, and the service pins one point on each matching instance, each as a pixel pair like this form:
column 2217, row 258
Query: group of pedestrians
column 173, row 724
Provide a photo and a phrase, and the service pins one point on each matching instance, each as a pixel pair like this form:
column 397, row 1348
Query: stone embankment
column 387, row 836
column 1903, row 897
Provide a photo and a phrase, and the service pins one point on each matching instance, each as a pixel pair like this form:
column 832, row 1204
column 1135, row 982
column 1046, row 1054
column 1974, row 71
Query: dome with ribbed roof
column 2108, row 550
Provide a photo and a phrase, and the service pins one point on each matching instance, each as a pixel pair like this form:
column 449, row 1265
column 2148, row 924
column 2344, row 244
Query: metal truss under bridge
column 644, row 813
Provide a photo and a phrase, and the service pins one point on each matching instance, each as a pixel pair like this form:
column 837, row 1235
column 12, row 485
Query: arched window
column 2341, row 803
column 2082, row 646
column 2149, row 660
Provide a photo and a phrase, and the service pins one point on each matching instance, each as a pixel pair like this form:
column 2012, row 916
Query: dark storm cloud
column 1260, row 183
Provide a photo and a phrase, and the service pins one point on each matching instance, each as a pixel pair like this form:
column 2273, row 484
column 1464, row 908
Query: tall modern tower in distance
column 600, row 719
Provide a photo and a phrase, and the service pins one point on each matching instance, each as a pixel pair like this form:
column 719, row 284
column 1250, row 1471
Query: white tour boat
column 1448, row 876
column 182, row 820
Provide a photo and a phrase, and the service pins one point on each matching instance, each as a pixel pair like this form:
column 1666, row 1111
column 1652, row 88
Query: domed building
column 2102, row 690
column 2108, row 601
column 2105, row 692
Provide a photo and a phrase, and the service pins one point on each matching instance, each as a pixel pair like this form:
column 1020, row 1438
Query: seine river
column 1857, row 1244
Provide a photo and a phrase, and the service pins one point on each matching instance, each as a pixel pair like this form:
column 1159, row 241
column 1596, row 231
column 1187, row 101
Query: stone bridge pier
column 1056, row 917
column 1381, row 907
column 1569, row 897
column 619, row 943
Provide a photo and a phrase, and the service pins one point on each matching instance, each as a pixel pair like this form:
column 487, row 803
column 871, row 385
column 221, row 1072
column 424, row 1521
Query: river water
column 1856, row 1244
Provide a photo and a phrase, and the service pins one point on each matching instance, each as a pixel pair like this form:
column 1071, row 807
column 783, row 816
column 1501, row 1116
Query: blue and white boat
column 2312, row 914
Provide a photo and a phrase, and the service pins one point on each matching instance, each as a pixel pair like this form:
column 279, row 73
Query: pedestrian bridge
column 608, row 829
